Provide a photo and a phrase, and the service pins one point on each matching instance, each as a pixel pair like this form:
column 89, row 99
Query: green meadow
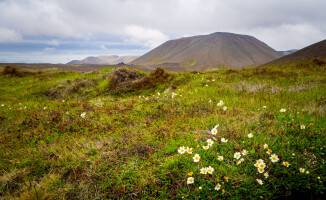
column 259, row 133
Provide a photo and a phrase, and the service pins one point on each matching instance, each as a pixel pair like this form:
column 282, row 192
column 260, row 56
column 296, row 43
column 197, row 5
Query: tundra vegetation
column 115, row 133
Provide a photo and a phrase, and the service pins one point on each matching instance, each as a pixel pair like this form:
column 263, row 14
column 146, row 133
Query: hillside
column 314, row 51
column 285, row 53
column 105, row 60
column 214, row 50
column 126, row 134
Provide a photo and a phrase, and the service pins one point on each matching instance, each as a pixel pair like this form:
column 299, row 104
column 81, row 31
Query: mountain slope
column 217, row 49
column 317, row 50
column 107, row 60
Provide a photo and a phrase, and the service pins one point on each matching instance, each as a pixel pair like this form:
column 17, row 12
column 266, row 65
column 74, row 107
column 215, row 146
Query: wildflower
column 286, row 164
column 226, row 179
column 217, row 125
column 203, row 170
column 239, row 162
column 63, row 101
column 265, row 146
column 302, row 170
column 190, row 180
column 182, row 150
column 264, row 106
column 220, row 158
column 218, row 186
column 241, row 159
column 318, row 177
column 200, row 187
column 261, row 170
column 302, row 127
column 173, row 95
column 189, row 150
column 262, row 165
column 244, row 152
column 196, row 158
column 213, row 80
column 269, row 151
column 256, row 165
column 237, row 155
column 214, row 131
column 307, row 172
column 224, row 140
column 250, row 135
column 83, row 114
column 190, row 173
column 44, row 108
column 206, row 147
column 210, row 170
column 283, row 110
column 2, row 105
column 223, row 191
column 259, row 181
column 274, row 158
column 221, row 103
column 210, row 142
column 266, row 175
column 225, row 108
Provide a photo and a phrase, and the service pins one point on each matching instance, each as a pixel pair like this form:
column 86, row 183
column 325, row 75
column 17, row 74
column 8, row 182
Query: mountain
column 317, row 50
column 285, row 53
column 214, row 50
column 105, row 60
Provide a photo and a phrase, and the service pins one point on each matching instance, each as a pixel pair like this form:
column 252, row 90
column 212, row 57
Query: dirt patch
column 130, row 80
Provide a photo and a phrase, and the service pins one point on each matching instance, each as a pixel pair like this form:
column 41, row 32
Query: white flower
column 307, row 172
column 237, row 155
column 189, row 150
column 44, row 108
column 220, row 158
column 182, row 150
column 210, row 170
column 242, row 159
column 302, row 127
column 244, row 152
column 286, row 164
column 239, row 162
column 283, row 110
column 196, row 158
column 261, row 170
column 250, row 135
column 274, row 158
column 63, row 101
column 203, row 170
column 302, row 170
column 210, row 142
column 221, row 103
column 224, row 140
column 190, row 180
column 213, row 80
column 225, row 108
column 200, row 187
column 83, row 114
column 174, row 94
column 262, row 165
column 265, row 146
column 2, row 105
column 259, row 181
column 214, row 131
column 266, row 175
column 264, row 106
column 218, row 186
column 206, row 147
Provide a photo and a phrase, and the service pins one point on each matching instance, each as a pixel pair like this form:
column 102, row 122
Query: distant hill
column 104, row 60
column 214, row 50
column 285, row 53
column 317, row 50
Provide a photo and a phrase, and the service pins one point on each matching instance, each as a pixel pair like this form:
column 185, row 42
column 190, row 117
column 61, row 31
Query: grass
column 126, row 146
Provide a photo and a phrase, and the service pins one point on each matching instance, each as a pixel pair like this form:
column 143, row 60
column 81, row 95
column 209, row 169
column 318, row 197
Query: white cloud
column 49, row 49
column 53, row 42
column 9, row 35
column 147, row 36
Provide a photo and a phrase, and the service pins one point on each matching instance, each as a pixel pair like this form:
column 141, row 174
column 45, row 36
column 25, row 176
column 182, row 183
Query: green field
column 68, row 135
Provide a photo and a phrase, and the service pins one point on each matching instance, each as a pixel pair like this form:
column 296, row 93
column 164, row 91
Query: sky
column 58, row 31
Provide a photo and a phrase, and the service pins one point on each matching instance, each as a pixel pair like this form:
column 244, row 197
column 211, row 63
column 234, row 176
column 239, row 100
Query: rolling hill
column 214, row 50
column 104, row 60
column 314, row 51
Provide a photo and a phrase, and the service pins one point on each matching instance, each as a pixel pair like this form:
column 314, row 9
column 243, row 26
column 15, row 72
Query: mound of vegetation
column 13, row 71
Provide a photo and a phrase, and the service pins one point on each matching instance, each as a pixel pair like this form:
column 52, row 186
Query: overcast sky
column 58, row 31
